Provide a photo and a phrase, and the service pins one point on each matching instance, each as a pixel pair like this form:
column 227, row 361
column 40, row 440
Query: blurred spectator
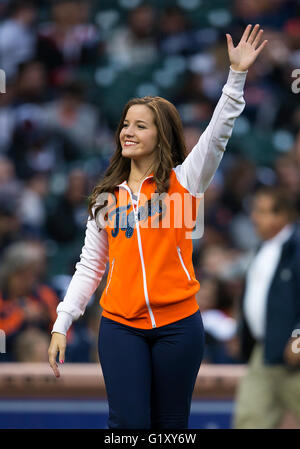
column 176, row 37
column 71, row 115
column 215, row 259
column 31, row 83
column 94, row 314
column 37, row 148
column 7, row 117
column 38, row 248
column 216, row 307
column 134, row 45
column 192, row 134
column 268, row 13
column 32, row 210
column 17, row 36
column 270, row 311
column 10, row 185
column 240, row 181
column 215, row 215
column 296, row 149
column 229, row 212
column 32, row 146
column 10, row 225
column 288, row 175
column 68, row 40
column 85, row 36
column 31, row 346
column 260, row 97
column 70, row 208
column 192, row 101
column 24, row 301
column 80, row 344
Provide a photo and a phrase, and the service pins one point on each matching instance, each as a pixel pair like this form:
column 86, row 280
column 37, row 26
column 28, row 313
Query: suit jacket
column 283, row 305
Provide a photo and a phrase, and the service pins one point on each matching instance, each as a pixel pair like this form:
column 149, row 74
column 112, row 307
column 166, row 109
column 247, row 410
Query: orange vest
column 151, row 280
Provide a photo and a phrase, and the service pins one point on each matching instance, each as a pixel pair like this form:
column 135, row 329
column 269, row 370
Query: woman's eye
column 139, row 126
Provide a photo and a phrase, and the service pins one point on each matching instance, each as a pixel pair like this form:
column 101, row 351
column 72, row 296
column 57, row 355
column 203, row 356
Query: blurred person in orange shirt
column 25, row 302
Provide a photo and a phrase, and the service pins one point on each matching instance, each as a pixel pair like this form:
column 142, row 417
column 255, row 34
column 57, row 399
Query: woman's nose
column 129, row 132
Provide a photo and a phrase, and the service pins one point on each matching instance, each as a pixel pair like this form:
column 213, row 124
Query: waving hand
column 244, row 54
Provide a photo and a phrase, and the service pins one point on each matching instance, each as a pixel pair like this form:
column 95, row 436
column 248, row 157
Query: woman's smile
column 129, row 143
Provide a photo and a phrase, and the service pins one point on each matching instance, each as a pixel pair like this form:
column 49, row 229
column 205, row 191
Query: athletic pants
column 150, row 374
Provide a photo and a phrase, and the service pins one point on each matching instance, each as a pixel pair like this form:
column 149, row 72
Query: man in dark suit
column 270, row 316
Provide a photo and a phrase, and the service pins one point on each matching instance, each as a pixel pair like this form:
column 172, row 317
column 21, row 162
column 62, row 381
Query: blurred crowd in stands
column 70, row 67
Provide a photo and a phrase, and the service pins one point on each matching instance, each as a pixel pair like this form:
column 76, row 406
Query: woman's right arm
column 89, row 272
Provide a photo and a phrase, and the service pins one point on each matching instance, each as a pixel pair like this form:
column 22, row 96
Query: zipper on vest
column 112, row 267
column 182, row 263
column 141, row 254
column 144, row 272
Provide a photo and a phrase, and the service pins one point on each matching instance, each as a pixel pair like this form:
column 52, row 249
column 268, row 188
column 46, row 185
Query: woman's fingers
column 229, row 42
column 62, row 354
column 258, row 37
column 253, row 39
column 262, row 45
column 246, row 33
column 53, row 364
column 253, row 34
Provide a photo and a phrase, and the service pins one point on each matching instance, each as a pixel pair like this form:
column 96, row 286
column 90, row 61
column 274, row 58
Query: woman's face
column 138, row 136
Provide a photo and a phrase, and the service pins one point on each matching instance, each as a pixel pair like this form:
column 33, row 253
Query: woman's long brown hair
column 171, row 150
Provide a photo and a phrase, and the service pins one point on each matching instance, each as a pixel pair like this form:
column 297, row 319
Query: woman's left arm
column 199, row 167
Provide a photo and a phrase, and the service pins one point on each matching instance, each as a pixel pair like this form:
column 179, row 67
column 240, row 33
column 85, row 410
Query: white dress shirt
column 258, row 281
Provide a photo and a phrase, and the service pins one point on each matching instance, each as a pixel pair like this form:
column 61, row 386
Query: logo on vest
column 126, row 223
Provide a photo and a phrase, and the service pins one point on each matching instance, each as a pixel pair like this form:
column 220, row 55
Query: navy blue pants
column 150, row 374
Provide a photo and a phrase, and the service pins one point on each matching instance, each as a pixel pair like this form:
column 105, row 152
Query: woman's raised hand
column 244, row 54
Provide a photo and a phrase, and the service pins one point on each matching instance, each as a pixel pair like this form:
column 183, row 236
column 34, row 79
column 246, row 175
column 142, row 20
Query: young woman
column 151, row 334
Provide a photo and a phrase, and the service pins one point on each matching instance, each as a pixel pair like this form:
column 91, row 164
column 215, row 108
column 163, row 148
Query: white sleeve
column 199, row 167
column 88, row 274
